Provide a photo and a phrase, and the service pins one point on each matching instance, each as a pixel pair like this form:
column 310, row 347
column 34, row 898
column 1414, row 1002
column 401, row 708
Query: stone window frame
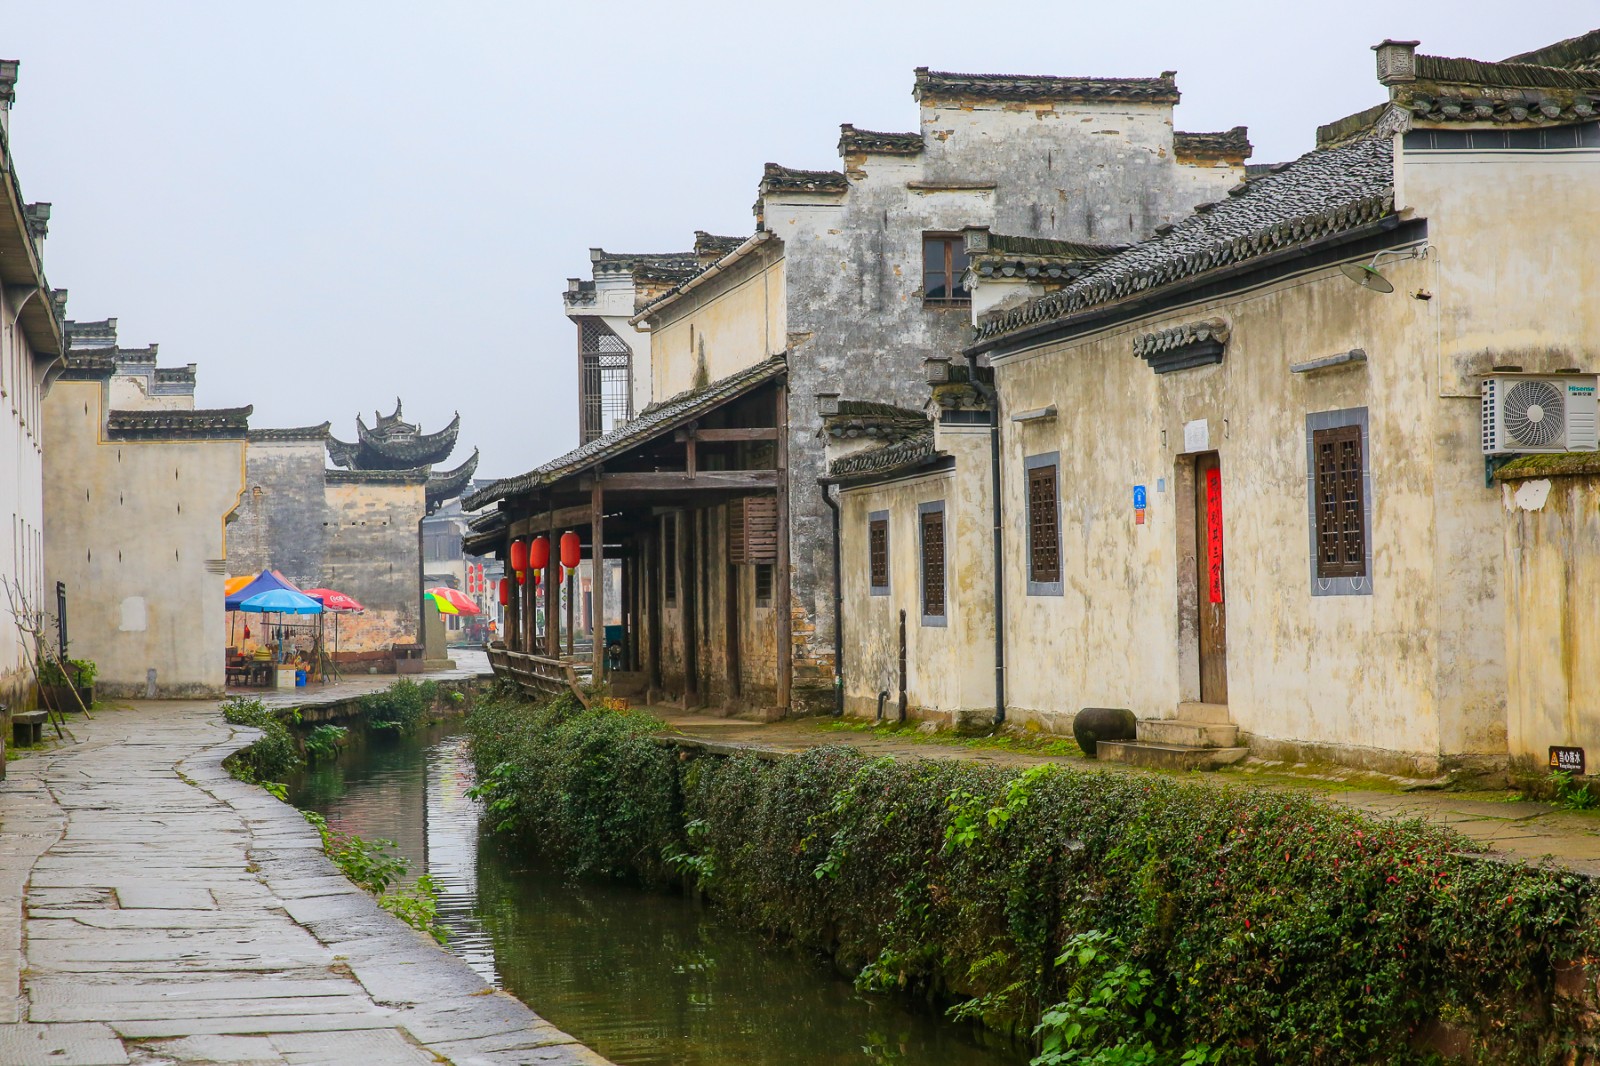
column 932, row 620
column 954, row 243
column 888, row 553
column 1042, row 588
column 1338, row 586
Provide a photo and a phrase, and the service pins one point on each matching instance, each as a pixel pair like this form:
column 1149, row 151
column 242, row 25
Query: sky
column 330, row 204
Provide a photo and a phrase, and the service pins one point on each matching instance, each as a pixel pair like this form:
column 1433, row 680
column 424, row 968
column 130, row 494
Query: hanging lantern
column 571, row 550
column 539, row 553
column 522, row 577
column 519, row 555
column 505, row 592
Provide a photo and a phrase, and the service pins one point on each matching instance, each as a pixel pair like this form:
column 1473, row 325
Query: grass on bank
column 1112, row 918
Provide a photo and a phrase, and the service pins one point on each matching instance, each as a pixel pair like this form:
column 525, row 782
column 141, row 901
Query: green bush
column 401, row 707
column 274, row 755
column 324, row 741
column 373, row 865
column 1275, row 927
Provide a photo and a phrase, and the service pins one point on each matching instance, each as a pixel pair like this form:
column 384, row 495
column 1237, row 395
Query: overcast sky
column 326, row 204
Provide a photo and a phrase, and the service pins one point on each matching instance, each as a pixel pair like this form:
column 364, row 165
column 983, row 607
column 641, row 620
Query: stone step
column 1209, row 713
column 1167, row 756
column 1191, row 734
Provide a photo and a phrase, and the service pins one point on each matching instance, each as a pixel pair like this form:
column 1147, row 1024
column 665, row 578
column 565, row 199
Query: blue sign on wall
column 1138, row 498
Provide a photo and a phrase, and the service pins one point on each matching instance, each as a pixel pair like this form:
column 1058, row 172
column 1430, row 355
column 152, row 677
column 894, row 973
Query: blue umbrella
column 281, row 601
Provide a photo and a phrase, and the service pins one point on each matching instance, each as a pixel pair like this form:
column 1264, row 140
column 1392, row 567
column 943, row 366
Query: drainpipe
column 999, row 557
column 838, row 607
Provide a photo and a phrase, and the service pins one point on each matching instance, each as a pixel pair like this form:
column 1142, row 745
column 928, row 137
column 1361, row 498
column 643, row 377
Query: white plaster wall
column 137, row 535
column 21, row 497
column 731, row 322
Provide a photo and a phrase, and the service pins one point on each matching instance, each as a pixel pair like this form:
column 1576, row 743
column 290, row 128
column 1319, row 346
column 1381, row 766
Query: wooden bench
column 535, row 674
column 27, row 727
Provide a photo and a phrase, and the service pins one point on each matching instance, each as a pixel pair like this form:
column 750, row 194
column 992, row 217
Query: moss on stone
column 1561, row 464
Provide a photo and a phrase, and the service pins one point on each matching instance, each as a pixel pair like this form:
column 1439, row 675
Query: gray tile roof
column 221, row 423
column 316, row 433
column 944, row 84
column 1322, row 193
column 903, row 455
column 1227, row 144
column 652, row 422
column 870, row 142
column 776, row 178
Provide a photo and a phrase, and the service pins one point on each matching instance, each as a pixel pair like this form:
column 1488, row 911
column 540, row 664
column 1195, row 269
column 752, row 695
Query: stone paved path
column 1514, row 827
column 155, row 911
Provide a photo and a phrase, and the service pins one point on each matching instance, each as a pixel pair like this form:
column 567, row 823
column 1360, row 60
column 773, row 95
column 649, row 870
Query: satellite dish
column 1366, row 275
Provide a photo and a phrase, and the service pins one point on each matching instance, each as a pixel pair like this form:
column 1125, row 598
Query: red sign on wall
column 1214, row 533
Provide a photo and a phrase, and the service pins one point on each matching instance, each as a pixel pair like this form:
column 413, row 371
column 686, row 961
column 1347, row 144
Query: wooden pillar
column 597, row 562
column 511, row 632
column 688, row 586
column 652, row 592
column 780, row 573
column 552, row 599
column 572, row 595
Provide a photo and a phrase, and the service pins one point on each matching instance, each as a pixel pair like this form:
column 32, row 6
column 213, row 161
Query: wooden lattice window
column 1340, row 507
column 753, row 530
column 933, row 564
column 878, row 551
column 1044, row 533
column 669, row 559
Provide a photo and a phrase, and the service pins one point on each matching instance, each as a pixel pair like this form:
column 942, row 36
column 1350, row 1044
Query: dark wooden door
column 1208, row 524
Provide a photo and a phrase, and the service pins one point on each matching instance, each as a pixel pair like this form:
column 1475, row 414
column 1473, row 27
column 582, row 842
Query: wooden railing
column 535, row 674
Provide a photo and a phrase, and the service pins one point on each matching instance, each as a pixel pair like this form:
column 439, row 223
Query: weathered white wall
column 730, row 322
column 22, row 543
column 137, row 534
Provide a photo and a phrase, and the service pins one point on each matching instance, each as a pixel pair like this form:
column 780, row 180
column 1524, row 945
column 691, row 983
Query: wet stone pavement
column 155, row 911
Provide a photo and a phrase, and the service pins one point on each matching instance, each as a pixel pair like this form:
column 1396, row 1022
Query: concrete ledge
column 1167, row 756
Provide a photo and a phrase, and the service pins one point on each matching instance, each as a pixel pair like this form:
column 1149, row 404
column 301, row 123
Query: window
column 1339, row 502
column 605, row 381
column 878, row 552
column 944, row 261
column 763, row 584
column 1044, row 527
column 1341, row 527
column 931, row 518
column 669, row 558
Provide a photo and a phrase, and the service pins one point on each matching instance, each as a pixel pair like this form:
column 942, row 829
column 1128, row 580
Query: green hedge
column 1278, row 927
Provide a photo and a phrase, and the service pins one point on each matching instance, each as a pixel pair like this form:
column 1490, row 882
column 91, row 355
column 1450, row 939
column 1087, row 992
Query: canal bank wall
column 154, row 909
column 1275, row 926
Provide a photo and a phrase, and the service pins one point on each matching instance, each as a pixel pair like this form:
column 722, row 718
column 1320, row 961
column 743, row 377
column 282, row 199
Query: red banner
column 1214, row 532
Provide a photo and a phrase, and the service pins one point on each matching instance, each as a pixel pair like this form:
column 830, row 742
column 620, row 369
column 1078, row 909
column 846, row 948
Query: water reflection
column 643, row 978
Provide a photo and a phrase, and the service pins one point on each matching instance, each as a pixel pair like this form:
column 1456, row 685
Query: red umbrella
column 334, row 600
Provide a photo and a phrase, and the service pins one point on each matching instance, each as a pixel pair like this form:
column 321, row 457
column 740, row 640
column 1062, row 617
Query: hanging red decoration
column 522, row 577
column 519, row 555
column 539, row 553
column 571, row 550
column 505, row 592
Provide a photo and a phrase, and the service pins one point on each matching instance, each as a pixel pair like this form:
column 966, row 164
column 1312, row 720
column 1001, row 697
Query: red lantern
column 519, row 555
column 571, row 550
column 522, row 577
column 505, row 592
column 539, row 553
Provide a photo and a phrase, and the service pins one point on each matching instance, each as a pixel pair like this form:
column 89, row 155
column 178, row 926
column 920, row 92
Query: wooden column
column 780, row 573
column 689, row 608
column 552, row 599
column 597, row 562
column 511, row 631
column 652, row 594
column 572, row 595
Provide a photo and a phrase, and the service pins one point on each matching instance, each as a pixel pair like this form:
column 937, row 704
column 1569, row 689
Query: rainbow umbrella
column 451, row 601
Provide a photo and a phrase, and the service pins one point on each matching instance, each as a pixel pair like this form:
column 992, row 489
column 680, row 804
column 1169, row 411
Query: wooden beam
column 718, row 436
column 597, row 564
column 705, row 480
column 780, row 573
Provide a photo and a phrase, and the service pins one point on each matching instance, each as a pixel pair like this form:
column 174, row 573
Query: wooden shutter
column 878, row 551
column 1341, row 514
column 753, row 530
column 933, row 564
column 1044, row 538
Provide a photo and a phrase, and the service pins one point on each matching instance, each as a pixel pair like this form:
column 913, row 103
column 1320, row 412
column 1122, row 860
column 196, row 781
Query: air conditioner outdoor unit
column 1525, row 413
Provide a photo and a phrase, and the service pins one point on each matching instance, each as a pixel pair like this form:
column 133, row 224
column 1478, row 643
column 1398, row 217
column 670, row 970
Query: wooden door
column 1208, row 524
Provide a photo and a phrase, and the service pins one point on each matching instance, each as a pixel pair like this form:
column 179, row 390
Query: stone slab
column 60, row 1045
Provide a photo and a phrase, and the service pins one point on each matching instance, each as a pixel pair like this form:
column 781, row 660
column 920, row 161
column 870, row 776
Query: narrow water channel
column 646, row 979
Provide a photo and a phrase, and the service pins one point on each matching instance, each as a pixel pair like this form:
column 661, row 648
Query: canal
column 644, row 978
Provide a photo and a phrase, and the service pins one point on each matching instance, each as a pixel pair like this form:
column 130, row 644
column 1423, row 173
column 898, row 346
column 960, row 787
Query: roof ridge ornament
column 1397, row 61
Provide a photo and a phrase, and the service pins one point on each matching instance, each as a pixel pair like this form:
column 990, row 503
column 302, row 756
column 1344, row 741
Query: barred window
column 1044, row 535
column 763, row 584
column 878, row 551
column 1341, row 517
column 933, row 562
